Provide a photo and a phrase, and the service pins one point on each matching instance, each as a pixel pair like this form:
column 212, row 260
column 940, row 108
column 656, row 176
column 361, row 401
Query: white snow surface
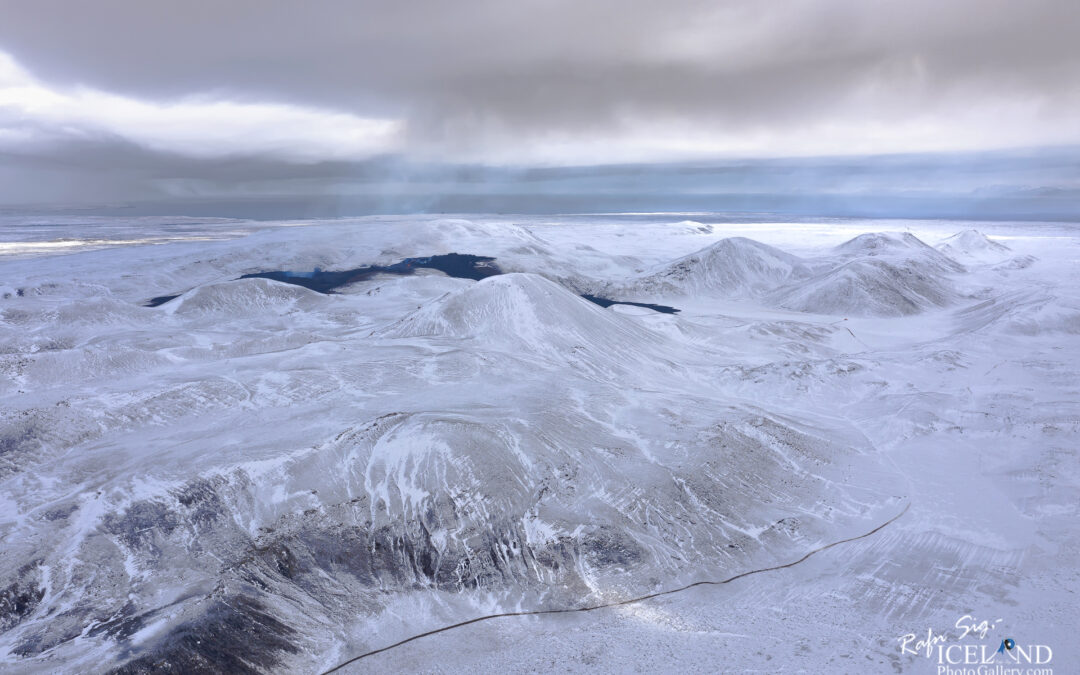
column 258, row 477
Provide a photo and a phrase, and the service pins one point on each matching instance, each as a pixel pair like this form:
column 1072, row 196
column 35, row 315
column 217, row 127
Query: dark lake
column 458, row 265
column 160, row 300
column 608, row 302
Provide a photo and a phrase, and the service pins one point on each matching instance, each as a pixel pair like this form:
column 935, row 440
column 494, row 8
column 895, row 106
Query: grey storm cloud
column 533, row 66
column 166, row 91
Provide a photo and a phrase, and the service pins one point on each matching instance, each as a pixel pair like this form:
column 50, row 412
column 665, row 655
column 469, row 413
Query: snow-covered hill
column 735, row 266
column 972, row 246
column 869, row 287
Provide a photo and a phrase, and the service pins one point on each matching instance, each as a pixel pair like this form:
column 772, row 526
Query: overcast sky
column 109, row 97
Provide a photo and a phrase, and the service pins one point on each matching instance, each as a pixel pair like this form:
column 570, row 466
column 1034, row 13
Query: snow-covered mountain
column 257, row 477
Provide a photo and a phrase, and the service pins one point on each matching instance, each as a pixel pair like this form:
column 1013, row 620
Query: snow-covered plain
column 258, row 477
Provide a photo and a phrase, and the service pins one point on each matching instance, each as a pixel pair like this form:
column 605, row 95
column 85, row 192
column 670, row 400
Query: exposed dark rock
column 19, row 599
column 234, row 635
column 141, row 523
